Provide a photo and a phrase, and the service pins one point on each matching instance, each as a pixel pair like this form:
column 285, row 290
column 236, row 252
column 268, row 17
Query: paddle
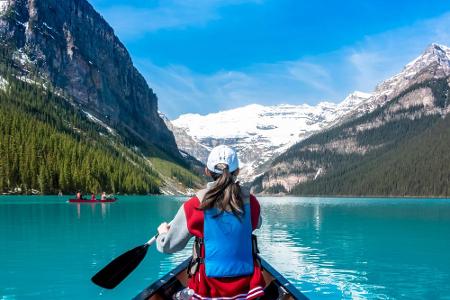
column 117, row 270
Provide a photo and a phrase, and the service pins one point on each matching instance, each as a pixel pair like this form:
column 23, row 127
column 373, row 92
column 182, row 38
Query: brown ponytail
column 225, row 195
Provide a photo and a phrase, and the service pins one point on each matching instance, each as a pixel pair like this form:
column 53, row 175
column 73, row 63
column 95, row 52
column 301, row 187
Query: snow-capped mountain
column 433, row 63
column 259, row 132
column 392, row 121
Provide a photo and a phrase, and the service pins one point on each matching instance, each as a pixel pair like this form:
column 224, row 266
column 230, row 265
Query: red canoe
column 92, row 201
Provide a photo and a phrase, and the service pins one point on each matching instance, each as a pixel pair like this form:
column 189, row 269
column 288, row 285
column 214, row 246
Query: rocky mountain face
column 68, row 44
column 433, row 63
column 379, row 148
column 258, row 132
column 187, row 145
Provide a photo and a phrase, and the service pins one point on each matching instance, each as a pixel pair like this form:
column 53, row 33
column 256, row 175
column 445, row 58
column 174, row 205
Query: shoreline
column 259, row 196
column 355, row 196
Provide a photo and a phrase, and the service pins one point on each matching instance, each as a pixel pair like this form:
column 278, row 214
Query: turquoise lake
column 330, row 248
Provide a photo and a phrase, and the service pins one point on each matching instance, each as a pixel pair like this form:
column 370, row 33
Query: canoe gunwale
column 280, row 280
column 155, row 286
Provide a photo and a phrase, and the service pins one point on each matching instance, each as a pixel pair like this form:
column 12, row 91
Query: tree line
column 49, row 145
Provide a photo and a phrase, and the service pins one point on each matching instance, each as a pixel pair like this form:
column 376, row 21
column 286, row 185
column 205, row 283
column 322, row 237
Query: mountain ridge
column 400, row 110
column 258, row 132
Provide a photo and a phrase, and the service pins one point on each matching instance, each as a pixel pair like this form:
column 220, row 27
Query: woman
column 222, row 219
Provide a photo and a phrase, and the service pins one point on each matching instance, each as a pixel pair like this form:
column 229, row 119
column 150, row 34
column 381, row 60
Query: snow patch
column 99, row 122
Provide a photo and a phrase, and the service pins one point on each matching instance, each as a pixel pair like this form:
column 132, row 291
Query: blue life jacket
column 228, row 243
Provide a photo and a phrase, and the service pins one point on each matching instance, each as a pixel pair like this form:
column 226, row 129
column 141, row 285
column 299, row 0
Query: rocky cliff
column 68, row 44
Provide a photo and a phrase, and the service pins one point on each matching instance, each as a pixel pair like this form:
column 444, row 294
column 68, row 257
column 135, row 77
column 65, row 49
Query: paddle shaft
column 152, row 240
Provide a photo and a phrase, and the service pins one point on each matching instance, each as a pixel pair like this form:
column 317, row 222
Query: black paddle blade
column 117, row 270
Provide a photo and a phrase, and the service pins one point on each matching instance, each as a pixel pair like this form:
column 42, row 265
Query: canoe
column 278, row 287
column 92, row 201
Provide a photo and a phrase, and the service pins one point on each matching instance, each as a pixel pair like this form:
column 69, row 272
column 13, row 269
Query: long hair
column 225, row 195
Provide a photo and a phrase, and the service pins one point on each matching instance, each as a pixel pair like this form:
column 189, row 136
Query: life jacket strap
column 197, row 259
column 255, row 250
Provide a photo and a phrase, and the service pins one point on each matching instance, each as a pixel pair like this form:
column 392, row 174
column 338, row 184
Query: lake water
column 330, row 248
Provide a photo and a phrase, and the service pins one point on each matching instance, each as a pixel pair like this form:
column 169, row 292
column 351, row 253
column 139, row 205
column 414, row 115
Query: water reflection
column 92, row 208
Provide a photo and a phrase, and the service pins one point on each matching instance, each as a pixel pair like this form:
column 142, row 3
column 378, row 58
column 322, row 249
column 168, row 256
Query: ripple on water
column 310, row 268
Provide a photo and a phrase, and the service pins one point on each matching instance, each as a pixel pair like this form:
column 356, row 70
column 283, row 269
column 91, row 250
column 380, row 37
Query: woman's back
column 222, row 219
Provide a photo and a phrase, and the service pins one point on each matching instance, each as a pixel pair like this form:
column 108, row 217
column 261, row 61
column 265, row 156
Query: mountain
column 72, row 47
column 187, row 145
column 395, row 143
column 64, row 73
column 258, row 132
column 433, row 63
column 47, row 146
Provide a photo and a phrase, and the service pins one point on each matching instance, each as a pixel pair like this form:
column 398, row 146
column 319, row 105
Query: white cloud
column 314, row 75
column 380, row 56
column 330, row 76
column 367, row 66
column 181, row 90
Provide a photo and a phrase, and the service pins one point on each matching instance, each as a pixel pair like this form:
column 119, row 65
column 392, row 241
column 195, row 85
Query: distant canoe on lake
column 108, row 200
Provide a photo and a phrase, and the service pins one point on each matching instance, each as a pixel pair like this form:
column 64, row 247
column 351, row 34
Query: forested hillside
column 414, row 167
column 48, row 144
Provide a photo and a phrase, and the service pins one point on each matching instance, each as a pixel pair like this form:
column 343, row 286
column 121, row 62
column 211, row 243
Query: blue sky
column 201, row 56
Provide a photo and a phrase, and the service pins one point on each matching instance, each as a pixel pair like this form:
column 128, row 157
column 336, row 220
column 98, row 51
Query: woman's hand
column 163, row 228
